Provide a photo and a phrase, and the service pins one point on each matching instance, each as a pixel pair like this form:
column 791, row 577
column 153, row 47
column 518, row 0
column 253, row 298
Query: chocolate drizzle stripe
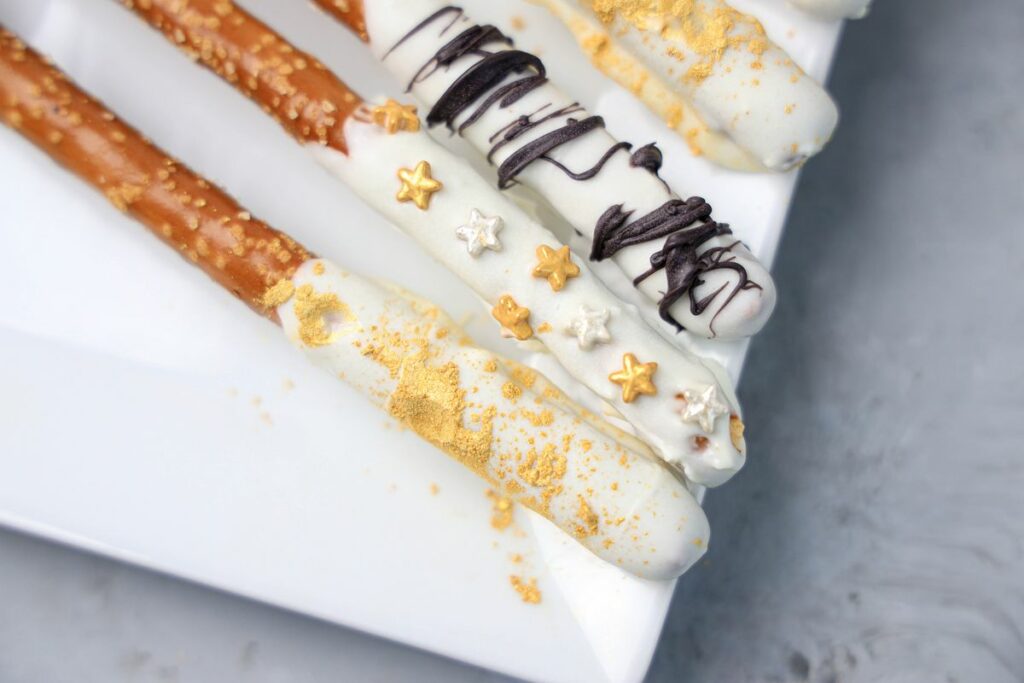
column 450, row 9
column 524, row 124
column 470, row 41
column 517, row 162
column 474, row 83
column 505, row 96
column 687, row 225
column 595, row 169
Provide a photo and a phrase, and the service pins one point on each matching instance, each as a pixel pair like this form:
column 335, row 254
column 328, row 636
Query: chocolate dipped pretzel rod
column 682, row 406
column 500, row 99
column 503, row 421
column 711, row 73
column 835, row 9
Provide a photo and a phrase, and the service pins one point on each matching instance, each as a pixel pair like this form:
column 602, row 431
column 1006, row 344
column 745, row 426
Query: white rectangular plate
column 146, row 415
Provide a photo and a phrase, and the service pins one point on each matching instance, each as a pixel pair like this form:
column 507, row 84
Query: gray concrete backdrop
column 877, row 533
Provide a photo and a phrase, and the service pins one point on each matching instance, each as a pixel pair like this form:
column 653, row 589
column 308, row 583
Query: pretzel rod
column 242, row 254
column 505, row 422
column 667, row 250
column 688, row 412
column 350, row 12
column 290, row 85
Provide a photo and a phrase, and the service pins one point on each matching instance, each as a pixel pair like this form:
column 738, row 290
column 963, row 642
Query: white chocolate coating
column 751, row 93
column 707, row 457
column 835, row 9
column 581, row 202
column 597, row 484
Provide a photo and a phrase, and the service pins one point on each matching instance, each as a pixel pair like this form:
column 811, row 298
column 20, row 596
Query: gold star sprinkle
column 555, row 265
column 635, row 378
column 417, row 185
column 513, row 317
column 393, row 117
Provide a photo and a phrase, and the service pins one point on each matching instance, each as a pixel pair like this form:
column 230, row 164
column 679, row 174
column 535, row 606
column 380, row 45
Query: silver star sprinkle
column 480, row 233
column 590, row 327
column 703, row 408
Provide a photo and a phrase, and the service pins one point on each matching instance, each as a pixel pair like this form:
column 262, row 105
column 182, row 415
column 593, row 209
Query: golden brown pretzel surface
column 195, row 217
column 292, row 86
column 349, row 12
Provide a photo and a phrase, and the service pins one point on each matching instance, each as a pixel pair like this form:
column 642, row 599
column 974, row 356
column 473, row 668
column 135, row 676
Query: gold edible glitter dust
column 278, row 294
column 527, row 590
column 709, row 28
column 312, row 310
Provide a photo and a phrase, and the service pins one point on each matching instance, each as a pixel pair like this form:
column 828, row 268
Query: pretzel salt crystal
column 536, row 289
column 506, row 423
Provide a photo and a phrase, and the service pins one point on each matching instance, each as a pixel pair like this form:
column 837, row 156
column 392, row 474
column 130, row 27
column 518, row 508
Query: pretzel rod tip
column 196, row 218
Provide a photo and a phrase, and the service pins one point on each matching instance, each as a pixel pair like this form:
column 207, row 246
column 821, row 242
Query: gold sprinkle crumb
column 527, row 590
column 511, row 391
column 278, row 294
column 588, row 518
column 502, row 511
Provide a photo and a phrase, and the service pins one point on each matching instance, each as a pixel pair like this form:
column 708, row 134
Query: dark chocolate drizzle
column 480, row 78
column 649, row 157
column 686, row 224
column 450, row 9
column 518, row 161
